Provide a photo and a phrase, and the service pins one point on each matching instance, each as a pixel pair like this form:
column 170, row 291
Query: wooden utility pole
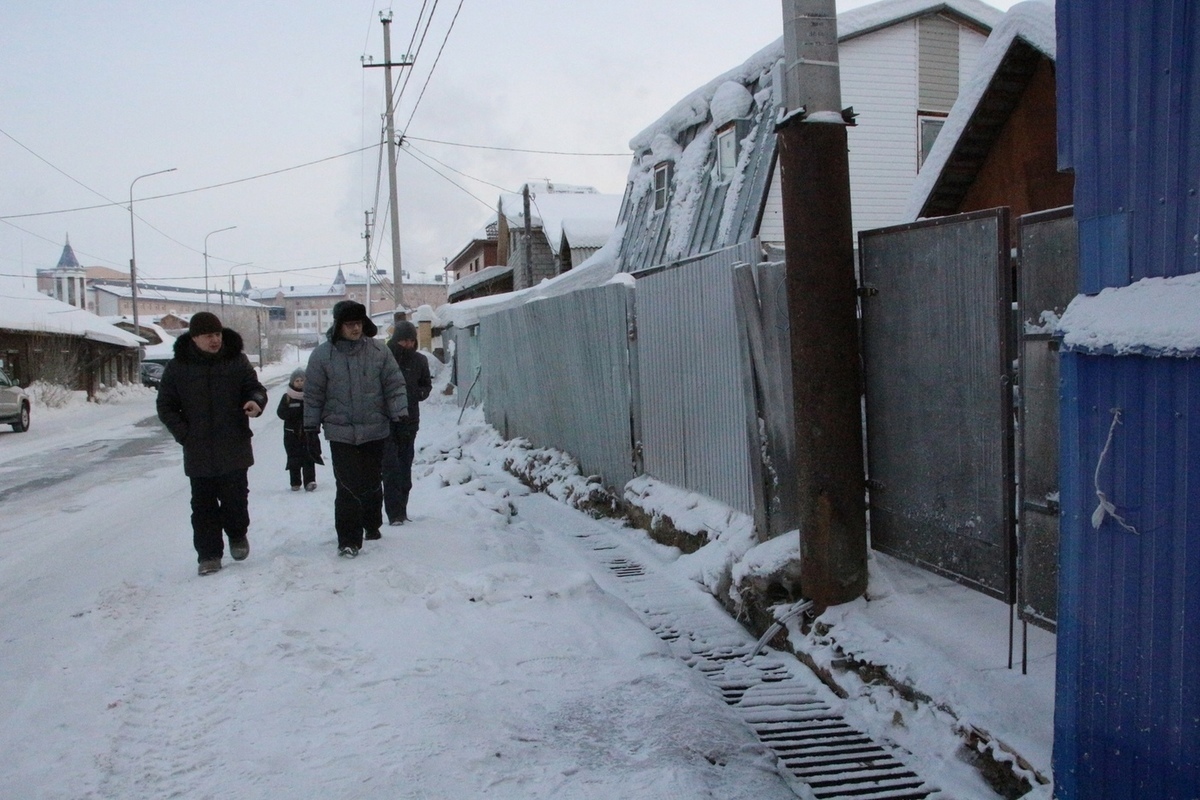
column 822, row 307
column 528, row 238
column 406, row 61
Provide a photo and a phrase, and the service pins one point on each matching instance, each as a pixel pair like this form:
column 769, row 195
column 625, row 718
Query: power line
column 515, row 149
column 460, row 172
column 463, row 189
column 55, row 168
column 436, row 59
column 410, row 55
column 192, row 191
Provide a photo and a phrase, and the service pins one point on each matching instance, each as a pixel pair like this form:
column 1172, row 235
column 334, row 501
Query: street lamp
column 232, row 293
column 133, row 248
column 231, row 227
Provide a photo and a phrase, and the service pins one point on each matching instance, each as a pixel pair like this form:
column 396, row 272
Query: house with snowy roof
column 42, row 338
column 705, row 175
column 999, row 144
column 566, row 224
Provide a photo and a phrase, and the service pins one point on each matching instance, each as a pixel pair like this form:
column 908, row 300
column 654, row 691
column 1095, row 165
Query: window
column 726, row 152
column 662, row 185
column 930, row 128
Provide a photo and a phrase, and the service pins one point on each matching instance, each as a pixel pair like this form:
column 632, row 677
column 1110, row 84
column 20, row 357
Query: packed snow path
column 467, row 654
column 486, row 649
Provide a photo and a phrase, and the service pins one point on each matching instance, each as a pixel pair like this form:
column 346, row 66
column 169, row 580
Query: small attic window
column 930, row 128
column 727, row 152
column 662, row 184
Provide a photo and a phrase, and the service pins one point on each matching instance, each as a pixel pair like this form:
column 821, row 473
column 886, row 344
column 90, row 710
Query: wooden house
column 999, row 146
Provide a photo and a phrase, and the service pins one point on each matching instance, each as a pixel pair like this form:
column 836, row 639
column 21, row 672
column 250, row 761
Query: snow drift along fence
column 557, row 372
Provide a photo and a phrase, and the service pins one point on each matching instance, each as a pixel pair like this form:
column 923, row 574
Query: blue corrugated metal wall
column 1127, row 715
column 1129, row 80
column 1127, row 718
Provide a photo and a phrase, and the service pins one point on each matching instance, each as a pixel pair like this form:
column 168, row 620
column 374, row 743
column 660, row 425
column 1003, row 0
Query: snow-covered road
column 471, row 653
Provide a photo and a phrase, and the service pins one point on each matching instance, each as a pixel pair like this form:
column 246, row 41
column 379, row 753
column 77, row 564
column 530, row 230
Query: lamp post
column 133, row 248
column 232, row 293
column 218, row 230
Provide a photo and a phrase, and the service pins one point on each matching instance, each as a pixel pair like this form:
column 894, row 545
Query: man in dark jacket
column 208, row 393
column 398, row 453
column 355, row 391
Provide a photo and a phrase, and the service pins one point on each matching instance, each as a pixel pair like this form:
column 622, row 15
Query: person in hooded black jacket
column 209, row 391
column 303, row 448
column 399, row 451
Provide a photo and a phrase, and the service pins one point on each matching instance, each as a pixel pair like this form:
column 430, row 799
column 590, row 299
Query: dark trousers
column 309, row 473
column 220, row 503
column 397, row 477
column 358, row 504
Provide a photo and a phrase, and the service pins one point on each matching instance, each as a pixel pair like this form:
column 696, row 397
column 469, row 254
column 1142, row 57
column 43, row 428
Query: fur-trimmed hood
column 231, row 347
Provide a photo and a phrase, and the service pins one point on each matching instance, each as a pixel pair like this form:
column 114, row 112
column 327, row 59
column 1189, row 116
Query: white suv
column 14, row 404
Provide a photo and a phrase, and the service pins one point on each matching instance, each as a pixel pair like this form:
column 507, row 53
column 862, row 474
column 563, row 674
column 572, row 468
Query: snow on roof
column 587, row 232
column 599, row 269
column 475, row 278
column 1031, row 21
column 25, row 309
column 551, row 204
column 164, row 350
column 271, row 292
column 1154, row 316
column 173, row 295
column 695, row 108
column 865, row 19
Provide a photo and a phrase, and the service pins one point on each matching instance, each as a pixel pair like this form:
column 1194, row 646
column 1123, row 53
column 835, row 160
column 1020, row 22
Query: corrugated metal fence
column 557, row 372
column 654, row 378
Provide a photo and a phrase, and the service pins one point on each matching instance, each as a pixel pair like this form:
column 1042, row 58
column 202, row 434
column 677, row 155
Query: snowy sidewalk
column 501, row 645
column 470, row 653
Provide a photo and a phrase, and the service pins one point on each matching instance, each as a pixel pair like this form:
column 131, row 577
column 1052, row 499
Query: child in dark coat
column 303, row 450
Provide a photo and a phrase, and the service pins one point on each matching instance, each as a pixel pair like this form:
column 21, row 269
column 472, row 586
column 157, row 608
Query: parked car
column 151, row 374
column 14, row 404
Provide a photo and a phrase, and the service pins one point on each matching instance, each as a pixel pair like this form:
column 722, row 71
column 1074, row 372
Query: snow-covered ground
column 479, row 651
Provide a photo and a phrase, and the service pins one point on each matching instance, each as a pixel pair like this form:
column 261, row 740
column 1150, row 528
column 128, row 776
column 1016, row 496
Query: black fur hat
column 350, row 311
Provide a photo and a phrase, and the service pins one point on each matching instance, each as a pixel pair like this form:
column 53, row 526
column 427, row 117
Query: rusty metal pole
column 822, row 306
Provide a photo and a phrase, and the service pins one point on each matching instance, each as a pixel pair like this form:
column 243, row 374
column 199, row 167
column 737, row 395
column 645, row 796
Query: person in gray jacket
column 355, row 391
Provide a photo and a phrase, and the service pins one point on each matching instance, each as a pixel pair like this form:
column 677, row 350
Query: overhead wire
column 453, row 183
column 433, row 67
column 457, row 171
column 194, row 190
column 398, row 92
column 517, row 149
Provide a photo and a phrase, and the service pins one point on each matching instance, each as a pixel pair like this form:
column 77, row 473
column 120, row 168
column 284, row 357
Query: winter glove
column 404, row 430
column 312, row 443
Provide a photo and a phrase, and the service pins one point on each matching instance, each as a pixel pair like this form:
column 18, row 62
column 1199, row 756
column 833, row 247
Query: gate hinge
column 633, row 331
column 867, row 290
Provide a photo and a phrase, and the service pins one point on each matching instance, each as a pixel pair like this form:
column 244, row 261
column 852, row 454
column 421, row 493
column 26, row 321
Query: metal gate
column 937, row 363
column 1047, row 281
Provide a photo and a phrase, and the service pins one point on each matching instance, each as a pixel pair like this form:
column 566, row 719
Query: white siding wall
column 771, row 229
column 879, row 78
column 970, row 44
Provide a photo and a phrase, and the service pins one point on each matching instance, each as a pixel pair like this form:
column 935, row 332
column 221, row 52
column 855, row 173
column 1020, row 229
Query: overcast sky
column 96, row 94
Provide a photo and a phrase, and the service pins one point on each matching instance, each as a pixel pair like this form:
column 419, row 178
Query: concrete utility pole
column 528, row 238
column 822, row 306
column 406, row 61
column 367, row 258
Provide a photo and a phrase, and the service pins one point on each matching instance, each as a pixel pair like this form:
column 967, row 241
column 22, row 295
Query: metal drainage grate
column 812, row 741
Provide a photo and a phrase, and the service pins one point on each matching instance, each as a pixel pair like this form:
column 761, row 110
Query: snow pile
column 1154, row 316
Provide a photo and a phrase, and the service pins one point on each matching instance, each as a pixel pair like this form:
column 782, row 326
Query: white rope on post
column 1106, row 507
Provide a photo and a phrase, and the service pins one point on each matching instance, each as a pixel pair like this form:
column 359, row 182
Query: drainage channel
column 782, row 705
